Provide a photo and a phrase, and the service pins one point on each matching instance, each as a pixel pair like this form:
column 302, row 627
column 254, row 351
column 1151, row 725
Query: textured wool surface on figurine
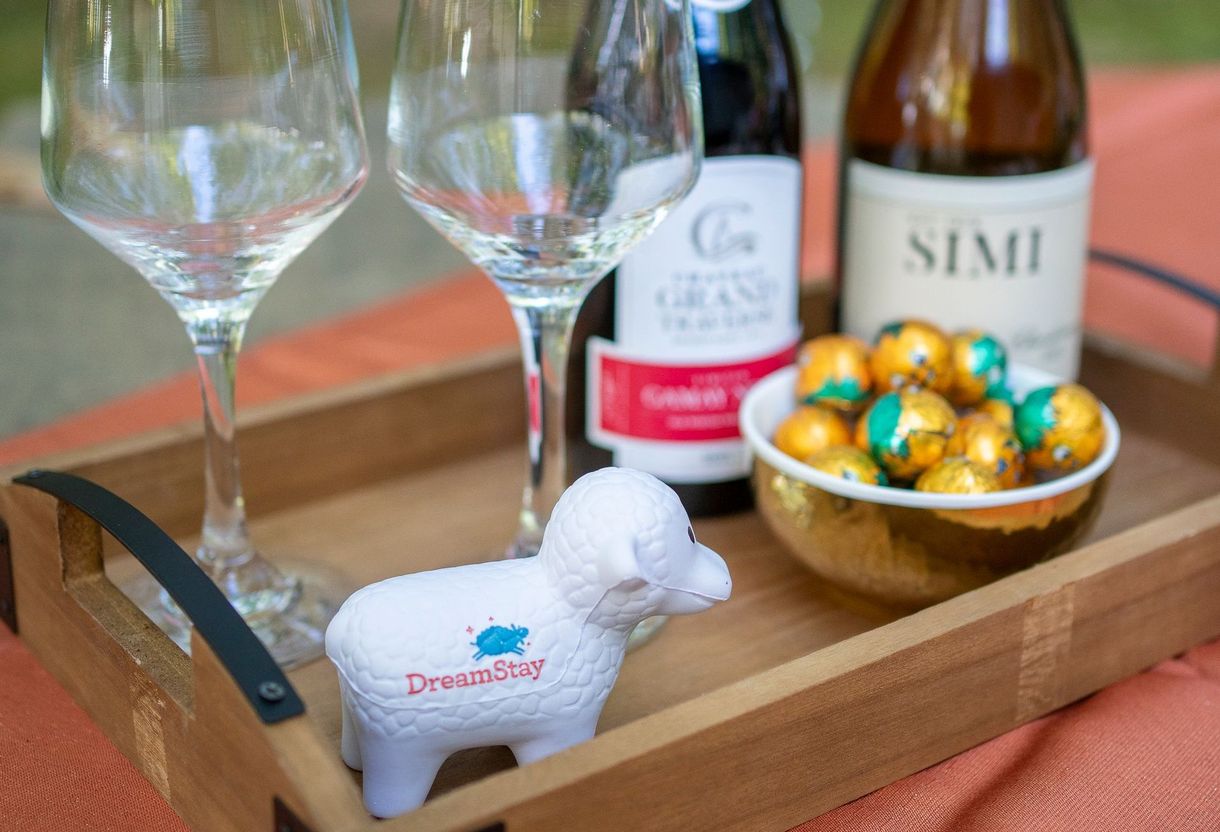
column 518, row 653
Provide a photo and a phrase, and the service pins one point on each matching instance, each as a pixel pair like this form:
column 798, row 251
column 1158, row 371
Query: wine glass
column 545, row 138
column 207, row 143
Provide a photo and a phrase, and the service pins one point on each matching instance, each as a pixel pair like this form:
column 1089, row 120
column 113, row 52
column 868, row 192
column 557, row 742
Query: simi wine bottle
column 667, row 346
column 966, row 180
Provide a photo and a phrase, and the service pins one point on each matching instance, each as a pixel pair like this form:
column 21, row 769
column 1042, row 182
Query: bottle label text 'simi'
column 1003, row 253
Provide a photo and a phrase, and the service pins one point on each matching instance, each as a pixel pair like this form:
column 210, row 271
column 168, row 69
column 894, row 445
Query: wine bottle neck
column 737, row 30
column 968, row 87
column 995, row 22
column 750, row 79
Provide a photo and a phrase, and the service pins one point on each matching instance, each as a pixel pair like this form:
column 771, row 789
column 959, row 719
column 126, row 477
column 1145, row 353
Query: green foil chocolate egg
column 906, row 432
column 980, row 367
column 984, row 441
column 1060, row 428
column 912, row 353
column 834, row 372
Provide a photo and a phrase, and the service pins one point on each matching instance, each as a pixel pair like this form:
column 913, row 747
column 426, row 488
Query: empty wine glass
column 207, row 143
column 545, row 138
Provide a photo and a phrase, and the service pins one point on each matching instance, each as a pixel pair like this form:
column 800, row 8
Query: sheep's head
column 625, row 533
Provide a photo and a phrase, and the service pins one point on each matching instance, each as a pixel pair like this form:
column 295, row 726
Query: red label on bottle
column 678, row 404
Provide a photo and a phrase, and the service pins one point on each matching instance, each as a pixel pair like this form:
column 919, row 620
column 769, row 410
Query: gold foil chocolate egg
column 834, row 372
column 848, row 463
column 1060, row 428
column 912, row 353
column 984, row 441
column 809, row 430
column 980, row 367
column 958, row 475
column 906, row 432
column 1001, row 410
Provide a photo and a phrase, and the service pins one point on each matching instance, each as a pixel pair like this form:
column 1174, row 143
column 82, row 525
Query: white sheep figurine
column 520, row 653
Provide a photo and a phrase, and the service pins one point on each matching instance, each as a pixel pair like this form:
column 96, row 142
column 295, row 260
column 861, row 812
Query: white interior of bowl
column 773, row 398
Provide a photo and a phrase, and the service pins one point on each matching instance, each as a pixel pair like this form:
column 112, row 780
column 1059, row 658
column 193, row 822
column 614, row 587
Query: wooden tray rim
column 1192, row 530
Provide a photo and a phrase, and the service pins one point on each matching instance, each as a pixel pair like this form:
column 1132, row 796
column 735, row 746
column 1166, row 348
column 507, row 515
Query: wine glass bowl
column 545, row 138
column 207, row 175
column 552, row 200
column 207, row 144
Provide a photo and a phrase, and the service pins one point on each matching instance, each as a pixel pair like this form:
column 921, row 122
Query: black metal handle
column 1181, row 283
column 234, row 643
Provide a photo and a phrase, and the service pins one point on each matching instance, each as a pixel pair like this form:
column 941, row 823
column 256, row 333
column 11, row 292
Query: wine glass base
column 294, row 635
column 528, row 540
column 521, row 548
column 645, row 631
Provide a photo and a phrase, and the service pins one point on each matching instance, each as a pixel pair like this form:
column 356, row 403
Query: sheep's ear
column 618, row 563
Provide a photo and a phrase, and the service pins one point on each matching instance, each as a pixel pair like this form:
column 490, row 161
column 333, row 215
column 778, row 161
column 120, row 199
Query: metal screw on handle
column 271, row 692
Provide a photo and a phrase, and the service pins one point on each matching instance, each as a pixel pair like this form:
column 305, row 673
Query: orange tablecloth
column 1141, row 755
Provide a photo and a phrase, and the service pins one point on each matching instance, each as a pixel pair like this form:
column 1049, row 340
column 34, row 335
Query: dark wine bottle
column 965, row 186
column 666, row 347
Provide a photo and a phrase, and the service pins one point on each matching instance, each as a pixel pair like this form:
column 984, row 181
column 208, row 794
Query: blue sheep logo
column 498, row 641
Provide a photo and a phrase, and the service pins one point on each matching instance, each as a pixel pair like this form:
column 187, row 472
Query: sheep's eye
column 690, row 532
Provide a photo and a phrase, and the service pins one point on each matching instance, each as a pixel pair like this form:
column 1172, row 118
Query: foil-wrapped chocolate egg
column 834, row 372
column 999, row 409
column 910, row 353
column 906, row 431
column 980, row 367
column 984, row 441
column 809, row 430
column 848, row 463
column 1060, row 428
column 958, row 475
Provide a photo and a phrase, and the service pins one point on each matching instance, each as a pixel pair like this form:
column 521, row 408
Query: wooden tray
column 760, row 714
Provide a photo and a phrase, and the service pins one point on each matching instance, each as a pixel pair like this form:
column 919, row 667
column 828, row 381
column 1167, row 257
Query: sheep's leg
column 558, row 736
column 397, row 775
column 349, row 742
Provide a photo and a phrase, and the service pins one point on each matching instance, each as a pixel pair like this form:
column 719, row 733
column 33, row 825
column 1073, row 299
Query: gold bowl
column 907, row 549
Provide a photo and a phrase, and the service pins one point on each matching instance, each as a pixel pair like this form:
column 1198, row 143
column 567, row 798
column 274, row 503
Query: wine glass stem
column 225, row 542
column 546, row 338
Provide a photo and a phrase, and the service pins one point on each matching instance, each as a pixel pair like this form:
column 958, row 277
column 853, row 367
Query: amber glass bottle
column 965, row 186
column 666, row 347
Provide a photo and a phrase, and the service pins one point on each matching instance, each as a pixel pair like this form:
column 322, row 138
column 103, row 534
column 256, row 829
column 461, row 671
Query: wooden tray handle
column 1199, row 292
column 182, row 721
column 234, row 644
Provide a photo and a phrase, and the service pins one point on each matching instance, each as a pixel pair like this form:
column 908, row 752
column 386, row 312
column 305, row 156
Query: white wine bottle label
column 704, row 308
column 1004, row 253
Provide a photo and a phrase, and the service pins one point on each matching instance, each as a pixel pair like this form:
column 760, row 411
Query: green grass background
column 1112, row 31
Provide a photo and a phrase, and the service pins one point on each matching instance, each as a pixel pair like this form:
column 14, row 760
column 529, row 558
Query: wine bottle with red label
column 966, row 178
column 667, row 346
